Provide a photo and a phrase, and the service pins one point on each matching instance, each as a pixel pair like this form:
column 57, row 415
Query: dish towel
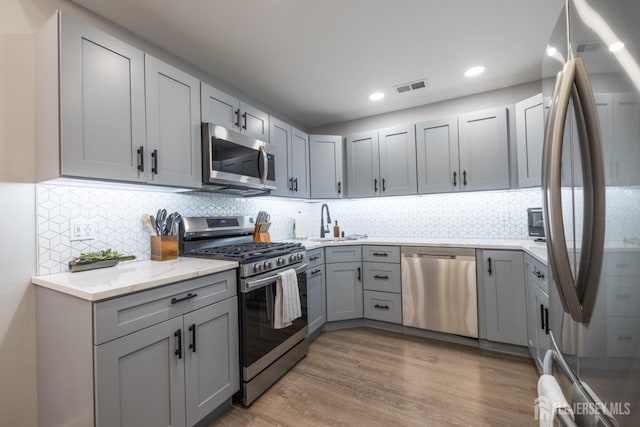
column 287, row 306
column 550, row 401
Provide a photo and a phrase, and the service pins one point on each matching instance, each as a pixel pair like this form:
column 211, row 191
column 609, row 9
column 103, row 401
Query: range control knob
column 300, row 257
column 257, row 268
column 292, row 258
column 282, row 261
column 268, row 264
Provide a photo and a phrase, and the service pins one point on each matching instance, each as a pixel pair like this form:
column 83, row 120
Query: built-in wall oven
column 266, row 353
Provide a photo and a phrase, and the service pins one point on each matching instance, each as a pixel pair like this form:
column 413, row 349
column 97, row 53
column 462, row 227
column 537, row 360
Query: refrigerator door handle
column 577, row 297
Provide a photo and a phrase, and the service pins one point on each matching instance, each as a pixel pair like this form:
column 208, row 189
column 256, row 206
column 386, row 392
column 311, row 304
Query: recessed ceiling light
column 551, row 51
column 376, row 96
column 615, row 47
column 474, row 71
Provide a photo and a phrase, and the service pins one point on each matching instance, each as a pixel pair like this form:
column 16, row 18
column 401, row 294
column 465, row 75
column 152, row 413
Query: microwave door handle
column 265, row 165
column 592, row 251
column 556, row 241
column 249, row 285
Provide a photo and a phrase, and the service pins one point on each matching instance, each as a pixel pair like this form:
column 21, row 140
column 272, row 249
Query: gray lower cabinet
column 383, row 306
column 344, row 282
column 530, row 138
column 382, row 283
column 503, row 316
column 316, row 290
column 537, row 309
column 167, row 356
column 326, row 167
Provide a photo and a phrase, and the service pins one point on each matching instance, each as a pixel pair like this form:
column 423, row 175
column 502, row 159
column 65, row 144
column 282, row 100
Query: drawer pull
column 383, row 307
column 379, row 254
column 314, row 272
column 315, row 257
column 192, row 346
column 377, row 276
column 538, row 273
column 178, row 335
column 624, row 337
column 175, row 300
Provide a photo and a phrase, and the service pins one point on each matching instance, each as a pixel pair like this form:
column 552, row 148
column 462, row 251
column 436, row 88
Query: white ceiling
column 317, row 61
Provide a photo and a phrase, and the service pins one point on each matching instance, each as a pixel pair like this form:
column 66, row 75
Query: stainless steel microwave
column 235, row 163
column 536, row 222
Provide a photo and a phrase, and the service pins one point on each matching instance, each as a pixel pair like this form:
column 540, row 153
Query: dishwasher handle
column 412, row 255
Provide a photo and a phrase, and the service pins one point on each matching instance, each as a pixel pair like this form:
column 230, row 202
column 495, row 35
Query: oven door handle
column 249, row 285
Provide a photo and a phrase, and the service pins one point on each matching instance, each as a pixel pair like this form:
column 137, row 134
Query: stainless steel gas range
column 265, row 353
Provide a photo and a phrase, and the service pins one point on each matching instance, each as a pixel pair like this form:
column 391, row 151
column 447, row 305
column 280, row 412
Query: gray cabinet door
column 484, row 150
column 530, row 139
column 363, row 165
column 326, row 167
column 219, row 108
column 316, row 298
column 626, row 134
column 299, row 163
column 344, row 291
column 173, row 125
column 504, row 297
column 397, row 152
column 211, row 357
column 280, row 138
column 543, row 341
column 532, row 333
column 437, row 156
column 140, row 379
column 102, row 111
column 254, row 122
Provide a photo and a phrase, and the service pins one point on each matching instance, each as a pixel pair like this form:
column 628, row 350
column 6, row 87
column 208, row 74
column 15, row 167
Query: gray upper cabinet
column 484, row 150
column 225, row 110
column 363, row 165
column 173, row 125
column 326, row 166
column 299, row 164
column 504, row 299
column 437, row 152
column 100, row 109
column 530, row 139
column 397, row 151
column 292, row 160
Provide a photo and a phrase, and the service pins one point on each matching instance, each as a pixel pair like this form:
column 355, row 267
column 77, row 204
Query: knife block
column 164, row 248
column 259, row 236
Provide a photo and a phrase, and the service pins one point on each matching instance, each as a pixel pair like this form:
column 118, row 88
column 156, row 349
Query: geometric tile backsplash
column 116, row 215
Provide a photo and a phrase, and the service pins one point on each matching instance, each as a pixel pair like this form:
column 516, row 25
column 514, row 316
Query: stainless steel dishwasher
column 439, row 290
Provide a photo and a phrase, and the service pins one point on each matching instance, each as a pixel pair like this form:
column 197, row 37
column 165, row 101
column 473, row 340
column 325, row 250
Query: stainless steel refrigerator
column 591, row 197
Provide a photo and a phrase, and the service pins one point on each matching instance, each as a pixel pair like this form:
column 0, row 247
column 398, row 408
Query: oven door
column 261, row 343
column 231, row 158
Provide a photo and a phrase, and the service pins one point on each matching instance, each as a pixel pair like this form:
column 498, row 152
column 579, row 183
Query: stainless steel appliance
column 591, row 86
column 535, row 222
column 265, row 353
column 439, row 290
column 235, row 163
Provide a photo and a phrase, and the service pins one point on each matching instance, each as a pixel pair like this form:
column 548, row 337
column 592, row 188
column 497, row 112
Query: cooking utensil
column 149, row 221
column 172, row 222
column 161, row 218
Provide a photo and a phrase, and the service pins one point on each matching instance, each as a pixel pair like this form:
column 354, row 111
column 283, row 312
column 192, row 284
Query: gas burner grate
column 246, row 251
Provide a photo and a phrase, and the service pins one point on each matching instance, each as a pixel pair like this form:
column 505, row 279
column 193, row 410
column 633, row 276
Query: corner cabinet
column 344, row 282
column 173, row 125
column 382, row 163
column 326, row 167
column 166, row 356
column 530, row 139
column 483, row 143
column 292, row 160
column 108, row 111
column 503, row 315
column 227, row 111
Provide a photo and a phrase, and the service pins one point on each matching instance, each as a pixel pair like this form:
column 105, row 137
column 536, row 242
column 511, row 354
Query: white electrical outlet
column 81, row 229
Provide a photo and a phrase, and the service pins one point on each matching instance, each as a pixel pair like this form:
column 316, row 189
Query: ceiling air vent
column 584, row 47
column 408, row 87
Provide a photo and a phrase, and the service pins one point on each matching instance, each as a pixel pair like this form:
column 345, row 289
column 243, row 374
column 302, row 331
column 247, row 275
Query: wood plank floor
column 368, row 377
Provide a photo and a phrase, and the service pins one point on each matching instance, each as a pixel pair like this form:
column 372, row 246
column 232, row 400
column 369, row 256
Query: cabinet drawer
column 315, row 257
column 126, row 314
column 343, row 254
column 381, row 253
column 622, row 336
column 382, row 277
column 538, row 274
column 383, row 306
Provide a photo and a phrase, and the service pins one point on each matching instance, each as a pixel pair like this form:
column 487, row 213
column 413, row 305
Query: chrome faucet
column 322, row 230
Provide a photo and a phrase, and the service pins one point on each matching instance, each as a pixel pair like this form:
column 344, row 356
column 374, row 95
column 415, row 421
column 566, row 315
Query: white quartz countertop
column 538, row 250
column 131, row 276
